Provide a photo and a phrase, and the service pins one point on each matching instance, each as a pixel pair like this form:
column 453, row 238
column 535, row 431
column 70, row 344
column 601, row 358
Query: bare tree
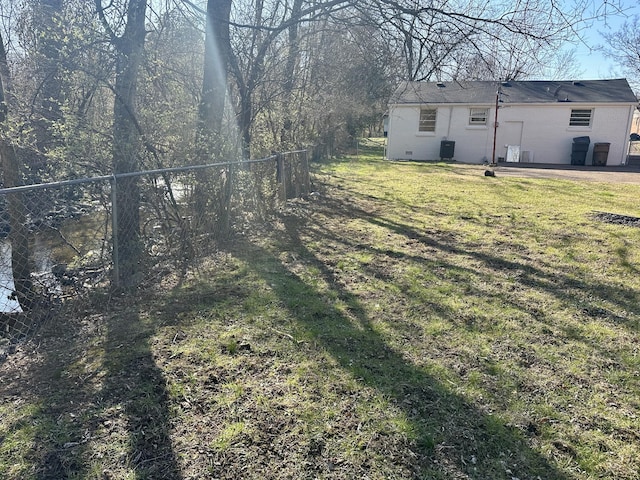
column 436, row 40
column 523, row 59
column 209, row 141
column 257, row 29
column 623, row 46
column 424, row 41
column 128, row 50
column 214, row 82
column 49, row 42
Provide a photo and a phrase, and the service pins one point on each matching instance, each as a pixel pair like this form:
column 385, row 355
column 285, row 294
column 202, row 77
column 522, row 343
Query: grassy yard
column 411, row 321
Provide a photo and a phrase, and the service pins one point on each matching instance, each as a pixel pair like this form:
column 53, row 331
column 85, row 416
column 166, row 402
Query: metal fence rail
column 70, row 238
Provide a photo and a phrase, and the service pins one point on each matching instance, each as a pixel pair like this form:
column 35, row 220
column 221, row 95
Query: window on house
column 478, row 116
column 427, row 120
column 580, row 118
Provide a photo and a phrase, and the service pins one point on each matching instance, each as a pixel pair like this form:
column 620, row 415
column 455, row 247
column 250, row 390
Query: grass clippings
column 409, row 321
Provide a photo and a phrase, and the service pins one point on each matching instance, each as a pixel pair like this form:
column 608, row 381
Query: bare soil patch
column 617, row 219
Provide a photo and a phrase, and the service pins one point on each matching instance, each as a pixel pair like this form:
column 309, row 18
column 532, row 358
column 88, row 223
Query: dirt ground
column 619, row 174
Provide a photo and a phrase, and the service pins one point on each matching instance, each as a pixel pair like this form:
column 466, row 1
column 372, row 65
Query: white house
column 537, row 121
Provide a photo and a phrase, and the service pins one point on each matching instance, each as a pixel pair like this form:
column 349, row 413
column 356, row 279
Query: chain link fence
column 61, row 240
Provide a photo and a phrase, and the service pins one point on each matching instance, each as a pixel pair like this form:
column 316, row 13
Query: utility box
column 447, row 148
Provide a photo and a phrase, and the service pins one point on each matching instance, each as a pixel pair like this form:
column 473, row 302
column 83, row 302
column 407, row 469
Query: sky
column 593, row 64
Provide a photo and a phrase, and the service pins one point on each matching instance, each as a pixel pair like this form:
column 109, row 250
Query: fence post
column 306, row 175
column 282, row 176
column 114, row 232
column 296, row 166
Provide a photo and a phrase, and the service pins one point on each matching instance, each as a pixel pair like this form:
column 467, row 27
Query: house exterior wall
column 541, row 130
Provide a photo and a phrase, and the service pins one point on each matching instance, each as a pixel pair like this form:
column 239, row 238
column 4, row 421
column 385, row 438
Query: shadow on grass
column 136, row 387
column 449, row 437
column 583, row 293
column 96, row 410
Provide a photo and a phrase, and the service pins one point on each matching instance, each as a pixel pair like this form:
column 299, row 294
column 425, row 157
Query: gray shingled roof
column 484, row 92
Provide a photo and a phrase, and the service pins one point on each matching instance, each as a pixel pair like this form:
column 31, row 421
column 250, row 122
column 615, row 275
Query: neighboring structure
column 634, row 147
column 537, row 120
column 635, row 123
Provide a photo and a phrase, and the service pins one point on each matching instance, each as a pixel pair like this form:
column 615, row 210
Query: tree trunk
column 214, row 82
column 287, row 137
column 126, row 143
column 245, row 120
column 47, row 18
column 210, row 144
column 19, row 235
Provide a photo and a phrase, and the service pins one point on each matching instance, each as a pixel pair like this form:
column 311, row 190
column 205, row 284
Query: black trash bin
column 579, row 149
column 447, row 147
column 600, row 153
column 578, row 158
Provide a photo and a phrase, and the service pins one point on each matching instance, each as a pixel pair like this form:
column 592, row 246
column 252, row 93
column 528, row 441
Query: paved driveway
column 620, row 174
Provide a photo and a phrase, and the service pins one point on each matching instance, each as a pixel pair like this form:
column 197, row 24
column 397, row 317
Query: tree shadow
column 591, row 300
column 97, row 380
column 584, row 293
column 450, row 437
column 138, row 395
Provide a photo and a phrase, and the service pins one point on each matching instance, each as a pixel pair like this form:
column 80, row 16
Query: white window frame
column 427, row 125
column 581, row 117
column 478, row 117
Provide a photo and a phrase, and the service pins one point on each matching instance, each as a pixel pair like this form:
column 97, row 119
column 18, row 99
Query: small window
column 580, row 118
column 427, row 120
column 478, row 116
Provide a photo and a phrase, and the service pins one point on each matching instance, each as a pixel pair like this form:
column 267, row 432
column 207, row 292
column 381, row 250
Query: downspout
column 392, row 113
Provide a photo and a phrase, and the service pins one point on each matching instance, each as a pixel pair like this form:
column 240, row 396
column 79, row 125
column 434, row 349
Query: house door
column 509, row 133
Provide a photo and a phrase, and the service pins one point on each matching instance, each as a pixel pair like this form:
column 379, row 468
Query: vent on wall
column 408, row 152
